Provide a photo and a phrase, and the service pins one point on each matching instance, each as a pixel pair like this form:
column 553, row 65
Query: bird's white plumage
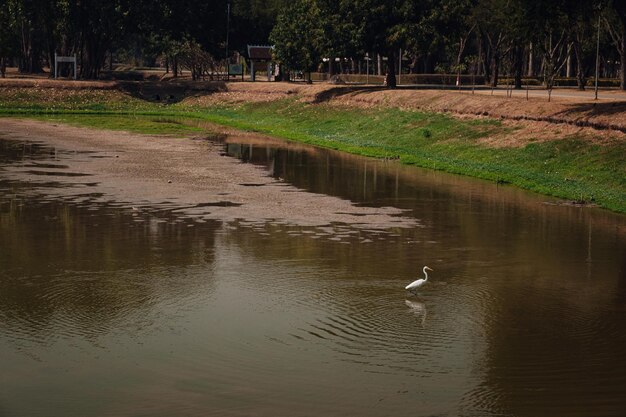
column 418, row 283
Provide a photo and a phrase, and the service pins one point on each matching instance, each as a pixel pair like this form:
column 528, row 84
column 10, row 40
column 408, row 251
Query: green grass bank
column 572, row 167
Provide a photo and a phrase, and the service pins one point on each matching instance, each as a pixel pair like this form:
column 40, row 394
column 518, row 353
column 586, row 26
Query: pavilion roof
column 260, row 52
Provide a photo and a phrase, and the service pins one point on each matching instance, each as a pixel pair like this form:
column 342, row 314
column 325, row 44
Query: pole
column 367, row 69
column 598, row 57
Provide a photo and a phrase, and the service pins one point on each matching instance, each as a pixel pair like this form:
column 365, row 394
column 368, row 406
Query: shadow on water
column 378, row 183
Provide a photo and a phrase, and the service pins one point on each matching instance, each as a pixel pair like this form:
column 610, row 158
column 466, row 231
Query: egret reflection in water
column 418, row 308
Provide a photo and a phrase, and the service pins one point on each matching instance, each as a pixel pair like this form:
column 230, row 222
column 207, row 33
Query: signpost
column 235, row 69
column 57, row 59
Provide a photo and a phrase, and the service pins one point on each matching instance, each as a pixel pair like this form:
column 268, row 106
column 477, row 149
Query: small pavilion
column 260, row 55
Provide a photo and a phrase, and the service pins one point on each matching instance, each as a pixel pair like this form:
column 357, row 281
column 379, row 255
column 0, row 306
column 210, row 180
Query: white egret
column 418, row 283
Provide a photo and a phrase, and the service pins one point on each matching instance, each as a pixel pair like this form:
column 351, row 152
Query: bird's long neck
column 426, row 274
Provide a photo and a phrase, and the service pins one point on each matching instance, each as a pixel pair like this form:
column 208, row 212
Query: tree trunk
column 390, row 79
column 622, row 58
column 580, row 71
column 96, row 46
column 3, row 67
column 495, row 67
column 413, row 65
column 480, row 66
column 531, row 61
column 428, row 68
column 29, row 61
column 486, row 59
column 568, row 66
column 620, row 8
column 518, row 65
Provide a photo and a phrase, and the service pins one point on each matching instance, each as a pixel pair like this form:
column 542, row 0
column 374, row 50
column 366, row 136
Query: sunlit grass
column 151, row 125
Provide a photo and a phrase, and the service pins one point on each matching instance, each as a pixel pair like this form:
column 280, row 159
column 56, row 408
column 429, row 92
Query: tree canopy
column 499, row 37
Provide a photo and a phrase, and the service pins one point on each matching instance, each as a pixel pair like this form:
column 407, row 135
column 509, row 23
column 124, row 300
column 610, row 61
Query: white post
column 367, row 69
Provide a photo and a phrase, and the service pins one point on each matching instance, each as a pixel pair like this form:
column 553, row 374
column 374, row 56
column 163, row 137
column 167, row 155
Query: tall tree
column 389, row 25
column 296, row 36
column 341, row 31
column 580, row 18
column 253, row 20
column 493, row 20
column 8, row 34
column 449, row 23
column 616, row 23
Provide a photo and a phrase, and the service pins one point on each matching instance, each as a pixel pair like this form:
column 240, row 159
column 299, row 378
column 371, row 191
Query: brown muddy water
column 109, row 311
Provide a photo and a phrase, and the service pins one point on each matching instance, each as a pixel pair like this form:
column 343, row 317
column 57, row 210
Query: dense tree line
column 544, row 38
column 492, row 38
column 98, row 32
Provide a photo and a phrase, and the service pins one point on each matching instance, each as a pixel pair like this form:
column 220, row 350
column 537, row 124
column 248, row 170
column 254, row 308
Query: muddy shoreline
column 189, row 175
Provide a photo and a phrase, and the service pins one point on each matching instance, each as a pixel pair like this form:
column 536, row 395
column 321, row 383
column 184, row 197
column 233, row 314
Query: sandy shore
column 187, row 175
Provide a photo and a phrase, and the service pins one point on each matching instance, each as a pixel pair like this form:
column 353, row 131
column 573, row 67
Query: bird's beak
column 430, row 269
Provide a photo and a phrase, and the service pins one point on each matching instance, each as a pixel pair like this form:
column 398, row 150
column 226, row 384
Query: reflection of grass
column 570, row 168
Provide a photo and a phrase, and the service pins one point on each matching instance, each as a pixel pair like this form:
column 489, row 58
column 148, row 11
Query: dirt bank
column 568, row 110
column 567, row 107
column 570, row 113
column 188, row 175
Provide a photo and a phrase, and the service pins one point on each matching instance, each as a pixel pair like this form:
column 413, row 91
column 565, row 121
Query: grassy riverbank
column 576, row 166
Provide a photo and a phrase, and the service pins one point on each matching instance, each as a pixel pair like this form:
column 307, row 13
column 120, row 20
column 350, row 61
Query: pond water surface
column 109, row 312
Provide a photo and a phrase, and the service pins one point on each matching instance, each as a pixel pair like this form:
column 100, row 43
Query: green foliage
column 296, row 35
column 433, row 32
